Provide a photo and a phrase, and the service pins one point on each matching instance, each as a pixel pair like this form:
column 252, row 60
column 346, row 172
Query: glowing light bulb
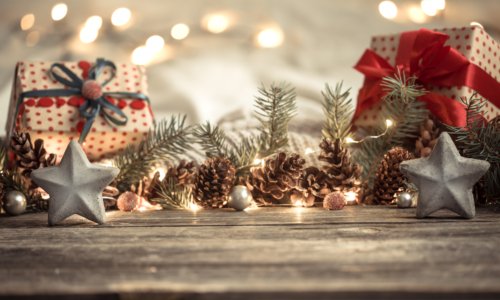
column 270, row 38
column 309, row 150
column 27, row 21
column 155, row 43
column 121, row 16
column 217, row 23
column 142, row 56
column 257, row 161
column 388, row 123
column 388, row 9
column 440, row 4
column 88, row 34
column 349, row 140
column 59, row 11
column 416, row 14
column 179, row 31
column 429, row 7
column 194, row 207
column 350, row 197
column 94, row 22
column 162, row 173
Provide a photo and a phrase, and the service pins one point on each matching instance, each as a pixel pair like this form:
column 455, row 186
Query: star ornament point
column 445, row 179
column 75, row 186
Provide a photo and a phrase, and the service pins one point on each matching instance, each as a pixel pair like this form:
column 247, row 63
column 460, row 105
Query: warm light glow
column 270, row 38
column 88, row 34
column 155, row 43
column 350, row 197
column 476, row 24
column 217, row 23
column 121, row 16
column 194, row 207
column 32, row 38
column 162, row 172
column 179, row 31
column 429, row 7
column 142, row 55
column 388, row 9
column 440, row 4
column 349, row 140
column 59, row 11
column 388, row 123
column 27, row 21
column 257, row 161
column 94, row 22
column 309, row 150
column 416, row 14
column 299, row 203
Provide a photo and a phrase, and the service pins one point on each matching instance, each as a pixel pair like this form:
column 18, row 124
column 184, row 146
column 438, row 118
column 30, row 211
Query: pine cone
column 343, row 173
column 30, row 157
column 388, row 178
column 213, row 182
column 279, row 176
column 183, row 174
column 429, row 134
column 314, row 185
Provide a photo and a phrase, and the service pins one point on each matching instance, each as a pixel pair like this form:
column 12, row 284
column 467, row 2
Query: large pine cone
column 429, row 134
column 388, row 178
column 213, row 182
column 314, row 185
column 344, row 174
column 182, row 174
column 30, row 157
column 276, row 178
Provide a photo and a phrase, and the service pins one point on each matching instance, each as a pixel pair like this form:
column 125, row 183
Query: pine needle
column 401, row 106
column 338, row 109
column 171, row 196
column 166, row 141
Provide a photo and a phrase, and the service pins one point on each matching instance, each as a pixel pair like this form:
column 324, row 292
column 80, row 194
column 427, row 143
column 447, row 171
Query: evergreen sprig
column 338, row 110
column 275, row 107
column 480, row 140
column 400, row 105
column 167, row 140
column 173, row 196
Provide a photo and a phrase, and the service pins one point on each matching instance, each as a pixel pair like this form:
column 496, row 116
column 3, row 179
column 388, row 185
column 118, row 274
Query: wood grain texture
column 266, row 253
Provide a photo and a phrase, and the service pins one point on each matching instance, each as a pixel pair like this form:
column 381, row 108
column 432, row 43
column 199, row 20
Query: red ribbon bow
column 423, row 54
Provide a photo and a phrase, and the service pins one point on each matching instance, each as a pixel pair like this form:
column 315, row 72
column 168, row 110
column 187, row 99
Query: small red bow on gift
column 423, row 54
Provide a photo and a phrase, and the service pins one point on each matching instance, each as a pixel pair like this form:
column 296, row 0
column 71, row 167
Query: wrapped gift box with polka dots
column 472, row 42
column 57, row 120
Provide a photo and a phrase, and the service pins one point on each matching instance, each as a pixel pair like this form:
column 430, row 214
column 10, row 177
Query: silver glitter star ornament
column 75, row 186
column 445, row 179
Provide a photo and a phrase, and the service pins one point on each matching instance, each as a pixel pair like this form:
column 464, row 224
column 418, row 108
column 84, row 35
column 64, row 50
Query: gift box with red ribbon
column 449, row 63
column 102, row 105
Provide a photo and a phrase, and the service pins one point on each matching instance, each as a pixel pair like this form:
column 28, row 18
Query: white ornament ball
column 240, row 198
column 14, row 203
column 404, row 200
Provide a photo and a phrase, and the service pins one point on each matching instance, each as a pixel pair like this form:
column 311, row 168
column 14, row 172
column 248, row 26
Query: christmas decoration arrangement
column 377, row 152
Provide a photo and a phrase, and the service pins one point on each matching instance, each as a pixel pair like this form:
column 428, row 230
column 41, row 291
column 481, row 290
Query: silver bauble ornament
column 14, row 203
column 404, row 200
column 240, row 197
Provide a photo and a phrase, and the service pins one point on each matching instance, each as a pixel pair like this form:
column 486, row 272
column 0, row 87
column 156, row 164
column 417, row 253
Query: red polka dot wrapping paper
column 473, row 42
column 56, row 120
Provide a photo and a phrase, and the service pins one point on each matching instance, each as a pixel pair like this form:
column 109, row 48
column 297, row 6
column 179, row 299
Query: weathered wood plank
column 265, row 253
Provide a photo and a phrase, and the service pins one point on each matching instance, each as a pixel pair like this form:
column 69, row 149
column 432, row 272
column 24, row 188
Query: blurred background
column 207, row 58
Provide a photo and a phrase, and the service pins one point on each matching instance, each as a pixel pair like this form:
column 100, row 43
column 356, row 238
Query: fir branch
column 338, row 109
column 407, row 113
column 214, row 142
column 167, row 140
column 275, row 107
column 172, row 196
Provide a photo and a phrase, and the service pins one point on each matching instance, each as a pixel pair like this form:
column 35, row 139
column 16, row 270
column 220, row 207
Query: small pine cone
column 277, row 178
column 213, row 182
column 183, row 174
column 30, row 156
column 334, row 201
column 343, row 173
column 429, row 134
column 388, row 178
column 314, row 184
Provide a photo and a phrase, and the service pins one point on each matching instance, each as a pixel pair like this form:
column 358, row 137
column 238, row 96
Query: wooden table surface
column 264, row 253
